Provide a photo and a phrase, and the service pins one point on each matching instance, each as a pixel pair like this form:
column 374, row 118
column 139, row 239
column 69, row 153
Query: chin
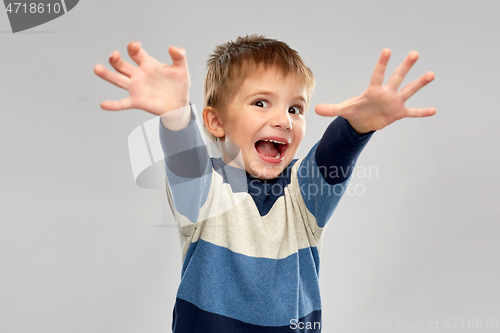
column 265, row 167
column 266, row 172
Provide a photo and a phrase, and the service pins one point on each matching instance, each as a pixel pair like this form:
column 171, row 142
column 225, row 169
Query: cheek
column 300, row 133
column 241, row 136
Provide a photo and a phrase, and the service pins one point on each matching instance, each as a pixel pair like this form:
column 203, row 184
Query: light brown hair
column 232, row 61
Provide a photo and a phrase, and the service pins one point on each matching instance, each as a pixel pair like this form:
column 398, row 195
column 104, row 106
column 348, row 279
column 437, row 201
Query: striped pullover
column 250, row 247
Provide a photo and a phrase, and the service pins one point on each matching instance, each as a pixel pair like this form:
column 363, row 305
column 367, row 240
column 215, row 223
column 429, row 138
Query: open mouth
column 271, row 150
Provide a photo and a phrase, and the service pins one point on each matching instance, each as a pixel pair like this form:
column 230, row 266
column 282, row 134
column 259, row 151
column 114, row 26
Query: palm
column 154, row 87
column 381, row 105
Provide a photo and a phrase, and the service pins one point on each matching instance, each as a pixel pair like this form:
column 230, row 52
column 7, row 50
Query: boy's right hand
column 153, row 87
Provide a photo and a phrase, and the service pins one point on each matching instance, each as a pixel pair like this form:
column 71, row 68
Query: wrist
column 177, row 119
column 359, row 129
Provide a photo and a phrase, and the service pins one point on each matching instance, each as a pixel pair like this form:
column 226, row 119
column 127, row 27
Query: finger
column 178, row 56
column 411, row 88
column 327, row 110
column 120, row 65
column 378, row 73
column 417, row 112
column 399, row 74
column 119, row 80
column 123, row 104
column 137, row 53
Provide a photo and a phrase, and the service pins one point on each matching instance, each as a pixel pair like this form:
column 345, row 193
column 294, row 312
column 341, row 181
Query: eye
column 294, row 110
column 260, row 103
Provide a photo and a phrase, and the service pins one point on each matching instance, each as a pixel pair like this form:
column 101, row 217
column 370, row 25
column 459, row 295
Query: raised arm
column 163, row 90
column 335, row 155
column 380, row 105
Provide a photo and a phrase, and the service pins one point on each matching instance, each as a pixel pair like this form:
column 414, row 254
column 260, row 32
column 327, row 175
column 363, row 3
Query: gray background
column 84, row 249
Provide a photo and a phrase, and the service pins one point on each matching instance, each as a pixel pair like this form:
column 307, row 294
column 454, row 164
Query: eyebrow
column 264, row 92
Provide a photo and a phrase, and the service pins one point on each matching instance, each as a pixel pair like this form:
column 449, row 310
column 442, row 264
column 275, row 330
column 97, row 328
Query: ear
column 212, row 120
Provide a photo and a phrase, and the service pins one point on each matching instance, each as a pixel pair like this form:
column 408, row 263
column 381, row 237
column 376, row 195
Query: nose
column 282, row 120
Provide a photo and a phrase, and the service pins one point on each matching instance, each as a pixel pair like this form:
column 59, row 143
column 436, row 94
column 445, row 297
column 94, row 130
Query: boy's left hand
column 381, row 105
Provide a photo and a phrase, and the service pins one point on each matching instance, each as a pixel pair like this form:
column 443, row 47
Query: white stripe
column 285, row 229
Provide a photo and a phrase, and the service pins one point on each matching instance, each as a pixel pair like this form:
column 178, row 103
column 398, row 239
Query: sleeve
column 324, row 174
column 188, row 169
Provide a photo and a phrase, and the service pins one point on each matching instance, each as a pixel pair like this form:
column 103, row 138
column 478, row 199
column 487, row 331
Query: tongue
column 266, row 148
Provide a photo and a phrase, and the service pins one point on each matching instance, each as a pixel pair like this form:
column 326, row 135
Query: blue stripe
column 339, row 149
column 235, row 177
column 189, row 195
column 320, row 198
column 187, row 167
column 259, row 291
column 188, row 318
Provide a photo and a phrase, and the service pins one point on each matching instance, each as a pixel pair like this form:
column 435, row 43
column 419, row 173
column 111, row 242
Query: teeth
column 278, row 142
column 281, row 143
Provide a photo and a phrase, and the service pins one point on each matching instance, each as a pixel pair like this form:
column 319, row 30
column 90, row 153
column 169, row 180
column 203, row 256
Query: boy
column 251, row 221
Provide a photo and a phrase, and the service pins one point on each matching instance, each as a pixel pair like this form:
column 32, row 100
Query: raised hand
column 381, row 105
column 153, row 87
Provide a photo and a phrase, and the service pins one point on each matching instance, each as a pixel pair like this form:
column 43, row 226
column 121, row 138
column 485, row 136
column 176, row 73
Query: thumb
column 328, row 110
column 178, row 56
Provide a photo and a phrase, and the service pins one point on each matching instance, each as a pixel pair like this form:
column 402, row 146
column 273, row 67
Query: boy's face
column 266, row 107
